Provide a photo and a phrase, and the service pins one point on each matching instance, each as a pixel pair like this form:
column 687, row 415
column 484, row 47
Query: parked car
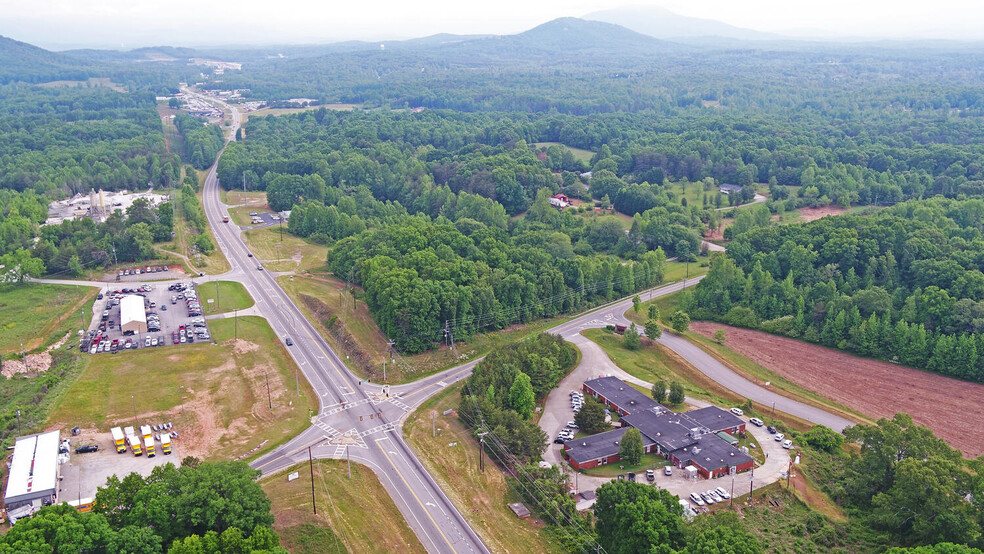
column 668, row 470
column 737, row 411
column 707, row 498
column 87, row 448
column 722, row 493
column 713, row 494
column 779, row 437
column 696, row 499
column 650, row 475
column 771, row 429
column 572, row 425
column 756, row 422
column 787, row 444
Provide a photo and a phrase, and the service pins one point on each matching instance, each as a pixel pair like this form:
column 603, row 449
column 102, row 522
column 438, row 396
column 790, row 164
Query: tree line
column 905, row 284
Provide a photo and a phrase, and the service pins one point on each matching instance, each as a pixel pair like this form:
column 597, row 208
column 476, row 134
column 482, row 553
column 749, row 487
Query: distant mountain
column 20, row 61
column 664, row 24
column 571, row 33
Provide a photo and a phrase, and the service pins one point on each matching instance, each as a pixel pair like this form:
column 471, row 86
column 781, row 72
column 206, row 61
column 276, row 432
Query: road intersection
column 363, row 421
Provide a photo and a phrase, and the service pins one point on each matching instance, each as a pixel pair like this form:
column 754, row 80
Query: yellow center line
column 426, row 511
column 268, row 462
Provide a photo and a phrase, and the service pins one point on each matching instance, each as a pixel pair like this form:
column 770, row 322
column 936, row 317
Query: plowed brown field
column 951, row 408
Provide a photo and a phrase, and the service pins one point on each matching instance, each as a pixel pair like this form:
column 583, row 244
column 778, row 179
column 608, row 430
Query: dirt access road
column 950, row 407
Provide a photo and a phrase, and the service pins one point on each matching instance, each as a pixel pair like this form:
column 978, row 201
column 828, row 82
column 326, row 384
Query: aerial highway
column 362, row 421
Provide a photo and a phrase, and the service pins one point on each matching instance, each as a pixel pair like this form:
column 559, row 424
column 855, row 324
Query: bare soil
column 877, row 389
column 812, row 214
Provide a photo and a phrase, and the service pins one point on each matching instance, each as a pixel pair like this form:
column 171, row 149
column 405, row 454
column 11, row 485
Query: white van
column 787, row 444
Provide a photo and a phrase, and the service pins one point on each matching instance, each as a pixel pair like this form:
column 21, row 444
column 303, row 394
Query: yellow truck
column 166, row 444
column 135, row 445
column 149, row 446
column 145, row 432
column 118, row 439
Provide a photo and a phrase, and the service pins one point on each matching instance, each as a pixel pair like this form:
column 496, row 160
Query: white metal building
column 133, row 316
column 33, row 480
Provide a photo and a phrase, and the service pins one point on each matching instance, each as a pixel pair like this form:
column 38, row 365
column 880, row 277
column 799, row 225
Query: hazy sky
column 134, row 23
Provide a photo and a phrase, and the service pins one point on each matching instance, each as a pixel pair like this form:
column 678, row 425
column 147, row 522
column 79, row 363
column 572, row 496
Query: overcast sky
column 133, row 23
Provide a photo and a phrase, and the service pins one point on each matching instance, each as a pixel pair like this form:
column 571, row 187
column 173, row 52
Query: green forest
column 904, row 284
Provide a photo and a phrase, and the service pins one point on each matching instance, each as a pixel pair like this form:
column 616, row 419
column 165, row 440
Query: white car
column 572, row 425
column 779, row 437
column 737, row 411
column 713, row 494
column 94, row 349
column 695, row 498
column 722, row 493
column 787, row 444
column 756, row 422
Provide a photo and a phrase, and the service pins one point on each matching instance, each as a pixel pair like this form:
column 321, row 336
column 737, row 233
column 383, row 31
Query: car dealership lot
column 173, row 314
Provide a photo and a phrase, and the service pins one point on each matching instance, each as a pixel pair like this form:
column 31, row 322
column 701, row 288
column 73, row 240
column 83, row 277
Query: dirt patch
column 715, row 234
column 877, row 389
column 812, row 214
column 242, row 346
column 33, row 364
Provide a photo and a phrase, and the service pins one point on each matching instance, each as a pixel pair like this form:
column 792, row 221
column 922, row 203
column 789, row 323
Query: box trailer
column 166, row 444
column 145, row 432
column 118, row 439
column 149, row 446
column 135, row 445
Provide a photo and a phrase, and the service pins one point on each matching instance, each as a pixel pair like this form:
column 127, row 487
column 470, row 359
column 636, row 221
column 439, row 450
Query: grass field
column 91, row 83
column 481, row 497
column 579, row 153
column 290, row 254
column 354, row 515
column 227, row 296
column 36, row 314
column 216, row 394
column 370, row 342
column 236, row 197
column 677, row 271
column 286, row 111
column 215, row 263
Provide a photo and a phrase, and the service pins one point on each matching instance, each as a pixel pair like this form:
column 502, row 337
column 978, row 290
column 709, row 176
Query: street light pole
column 134, row 400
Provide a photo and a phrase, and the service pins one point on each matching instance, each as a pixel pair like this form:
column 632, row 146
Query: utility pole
column 244, row 188
column 773, row 410
column 82, row 316
column 18, row 423
column 269, row 396
column 297, row 382
column 481, row 452
column 732, row 490
column 433, row 424
column 134, row 401
column 348, row 458
column 218, row 304
column 314, row 504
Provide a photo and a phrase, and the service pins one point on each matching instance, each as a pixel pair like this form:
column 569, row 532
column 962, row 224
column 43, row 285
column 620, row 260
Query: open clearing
column 290, row 254
column 878, row 389
column 216, row 394
column 483, row 498
column 34, row 313
column 579, row 153
column 227, row 296
column 354, row 515
column 808, row 214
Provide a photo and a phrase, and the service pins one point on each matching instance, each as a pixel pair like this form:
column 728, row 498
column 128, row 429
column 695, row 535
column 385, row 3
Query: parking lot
column 85, row 472
column 264, row 218
column 172, row 311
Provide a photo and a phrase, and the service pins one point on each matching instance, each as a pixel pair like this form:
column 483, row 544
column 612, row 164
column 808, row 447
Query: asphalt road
column 363, row 421
column 355, row 420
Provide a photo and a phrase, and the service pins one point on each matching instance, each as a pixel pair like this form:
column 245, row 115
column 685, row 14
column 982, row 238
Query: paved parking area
column 169, row 307
column 263, row 219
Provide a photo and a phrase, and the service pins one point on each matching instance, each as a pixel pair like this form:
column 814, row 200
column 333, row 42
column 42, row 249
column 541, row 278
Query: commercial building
column 33, row 480
column 684, row 439
column 133, row 316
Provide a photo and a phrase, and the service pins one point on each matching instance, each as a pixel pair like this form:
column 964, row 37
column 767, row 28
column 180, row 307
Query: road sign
column 292, row 476
column 211, row 300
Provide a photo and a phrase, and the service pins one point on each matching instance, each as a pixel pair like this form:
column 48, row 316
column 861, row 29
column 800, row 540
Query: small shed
column 690, row 472
column 521, row 511
column 732, row 440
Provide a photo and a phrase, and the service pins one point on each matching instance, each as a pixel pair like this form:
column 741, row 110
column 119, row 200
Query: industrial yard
column 98, row 205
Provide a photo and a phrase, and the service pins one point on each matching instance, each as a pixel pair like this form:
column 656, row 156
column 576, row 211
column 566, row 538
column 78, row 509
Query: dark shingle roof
column 596, row 446
column 713, row 453
column 715, row 418
column 621, row 394
column 671, row 431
